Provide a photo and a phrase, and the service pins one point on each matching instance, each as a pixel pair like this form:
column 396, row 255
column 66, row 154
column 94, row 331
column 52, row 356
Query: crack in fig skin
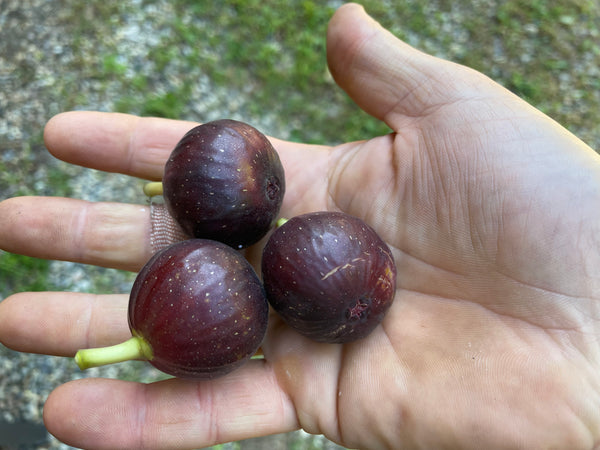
column 345, row 266
column 329, row 276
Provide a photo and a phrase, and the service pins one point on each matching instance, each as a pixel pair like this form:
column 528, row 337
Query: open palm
column 491, row 210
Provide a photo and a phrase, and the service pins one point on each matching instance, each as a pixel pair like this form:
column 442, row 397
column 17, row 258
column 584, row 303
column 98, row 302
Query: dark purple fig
column 329, row 276
column 224, row 181
column 197, row 310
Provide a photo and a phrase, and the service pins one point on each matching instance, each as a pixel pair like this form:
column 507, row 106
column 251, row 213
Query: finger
column 105, row 234
column 114, row 142
column 140, row 146
column 386, row 77
column 137, row 146
column 173, row 414
column 60, row 323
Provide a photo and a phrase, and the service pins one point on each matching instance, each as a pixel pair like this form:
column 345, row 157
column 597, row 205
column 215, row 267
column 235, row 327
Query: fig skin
column 224, row 181
column 329, row 276
column 200, row 307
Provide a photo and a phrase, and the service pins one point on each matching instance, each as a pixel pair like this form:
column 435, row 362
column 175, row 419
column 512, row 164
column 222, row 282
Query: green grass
column 272, row 52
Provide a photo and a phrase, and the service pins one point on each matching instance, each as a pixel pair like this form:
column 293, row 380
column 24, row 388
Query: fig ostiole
column 197, row 310
column 329, row 276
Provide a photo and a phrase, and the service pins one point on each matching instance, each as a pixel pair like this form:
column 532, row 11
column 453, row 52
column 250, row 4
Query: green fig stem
column 153, row 188
column 281, row 221
column 134, row 348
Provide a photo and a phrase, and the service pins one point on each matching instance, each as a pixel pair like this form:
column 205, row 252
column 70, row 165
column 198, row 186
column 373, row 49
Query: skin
column 491, row 209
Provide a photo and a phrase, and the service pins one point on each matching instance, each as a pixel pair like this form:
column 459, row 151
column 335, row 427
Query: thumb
column 388, row 78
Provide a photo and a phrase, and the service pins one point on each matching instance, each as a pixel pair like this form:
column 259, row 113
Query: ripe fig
column 224, row 181
column 329, row 276
column 197, row 310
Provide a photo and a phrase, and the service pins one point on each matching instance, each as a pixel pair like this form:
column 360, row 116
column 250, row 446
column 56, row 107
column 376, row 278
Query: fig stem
column 153, row 188
column 134, row 348
column 281, row 221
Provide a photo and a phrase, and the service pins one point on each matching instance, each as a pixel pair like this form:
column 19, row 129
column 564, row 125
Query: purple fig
column 329, row 276
column 224, row 181
column 197, row 310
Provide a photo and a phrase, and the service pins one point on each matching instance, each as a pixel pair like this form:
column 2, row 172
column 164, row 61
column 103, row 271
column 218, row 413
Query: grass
column 270, row 55
column 266, row 51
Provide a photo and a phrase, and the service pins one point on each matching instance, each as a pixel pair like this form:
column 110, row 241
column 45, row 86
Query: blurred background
column 260, row 61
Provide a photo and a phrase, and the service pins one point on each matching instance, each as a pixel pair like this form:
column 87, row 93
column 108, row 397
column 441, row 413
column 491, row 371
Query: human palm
column 491, row 210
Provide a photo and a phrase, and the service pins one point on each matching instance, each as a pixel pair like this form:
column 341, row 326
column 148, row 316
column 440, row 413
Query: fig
column 197, row 310
column 224, row 181
column 329, row 276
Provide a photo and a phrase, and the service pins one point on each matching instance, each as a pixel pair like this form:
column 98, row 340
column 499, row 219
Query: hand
column 491, row 210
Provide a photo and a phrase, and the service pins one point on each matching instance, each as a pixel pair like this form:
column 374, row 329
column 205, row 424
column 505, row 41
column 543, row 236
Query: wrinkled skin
column 491, row 211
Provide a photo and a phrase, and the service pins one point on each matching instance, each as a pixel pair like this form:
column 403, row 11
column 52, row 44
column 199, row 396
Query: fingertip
column 348, row 8
column 58, row 415
column 346, row 30
column 6, row 206
column 69, row 414
column 364, row 59
column 54, row 130
column 52, row 409
column 14, row 218
column 92, row 139
column 50, row 128
column 114, row 142
column 388, row 78
column 22, row 324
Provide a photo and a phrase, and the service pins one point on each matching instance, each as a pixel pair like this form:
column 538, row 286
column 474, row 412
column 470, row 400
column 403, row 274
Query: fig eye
column 273, row 188
column 359, row 310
